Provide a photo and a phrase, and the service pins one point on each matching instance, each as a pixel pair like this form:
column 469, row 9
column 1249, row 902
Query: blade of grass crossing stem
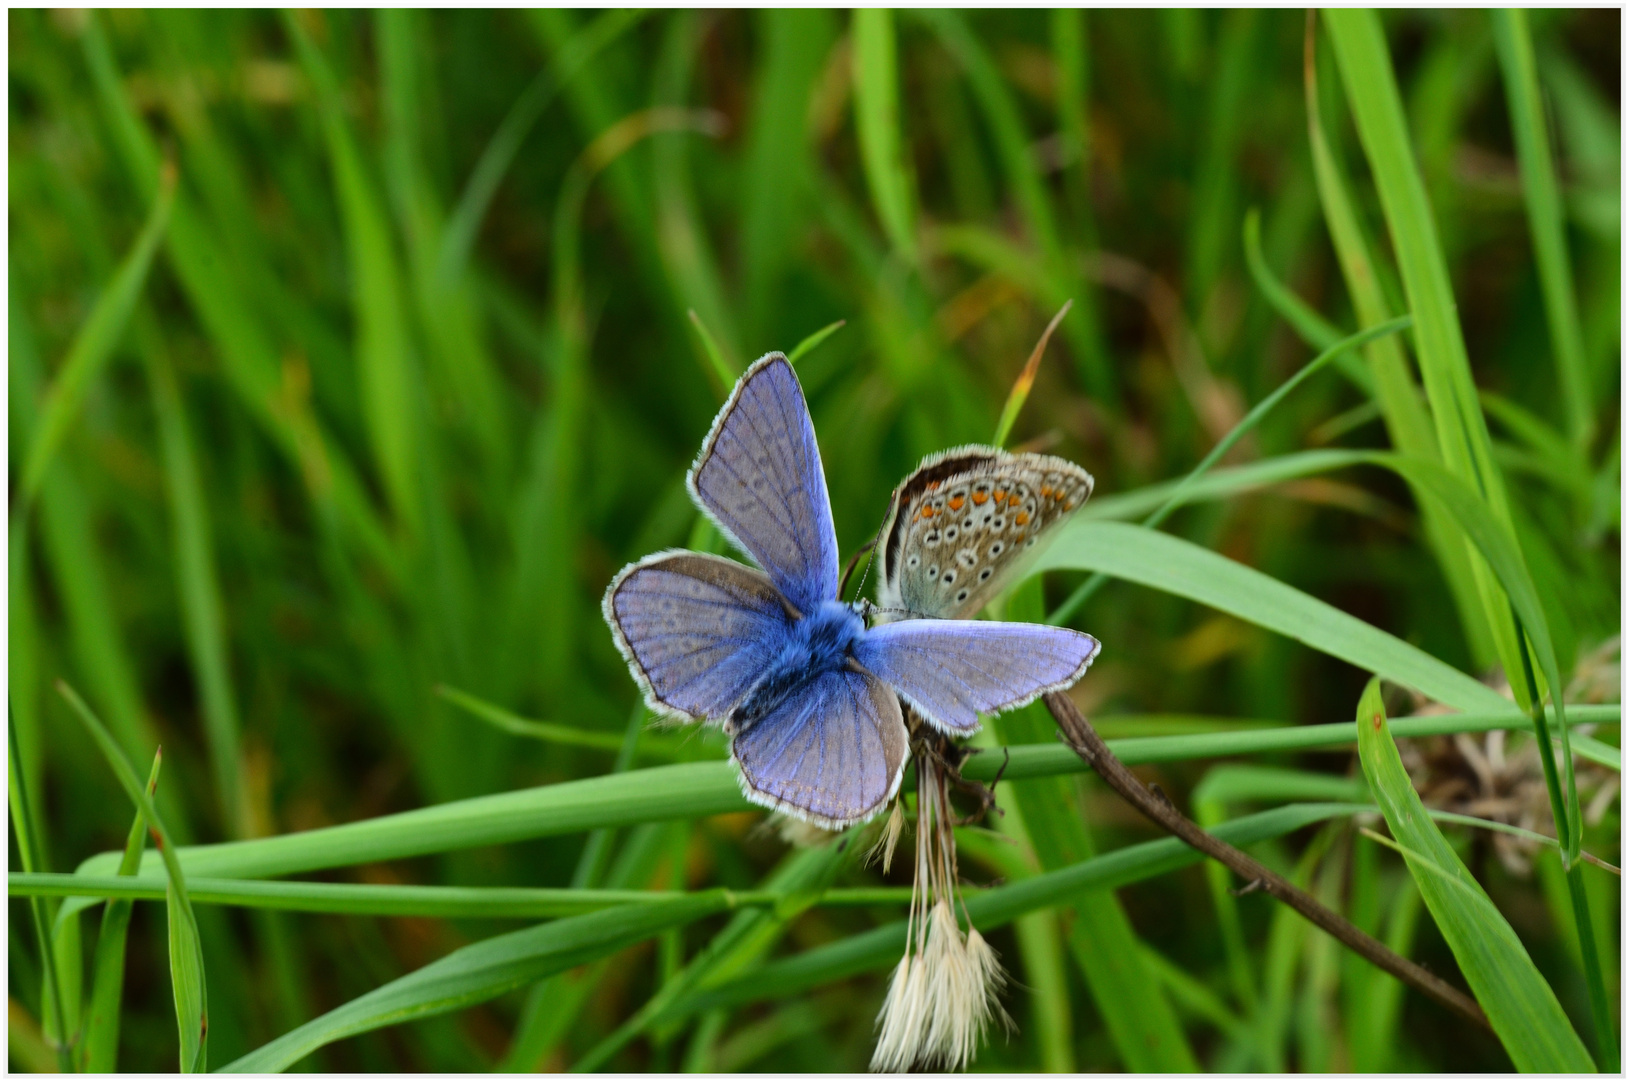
column 1139, row 1019
column 482, row 971
column 1518, row 1001
column 384, row 352
column 1546, row 216
column 101, row 1037
column 1178, row 496
column 185, row 948
column 1460, row 426
column 93, row 345
column 30, row 852
column 876, row 115
column 1406, row 417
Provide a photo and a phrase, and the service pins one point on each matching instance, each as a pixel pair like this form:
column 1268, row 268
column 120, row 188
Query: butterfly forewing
column 760, row 478
column 964, row 521
column 696, row 630
column 950, row 670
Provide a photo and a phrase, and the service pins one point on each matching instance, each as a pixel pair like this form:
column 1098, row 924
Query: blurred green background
column 421, row 358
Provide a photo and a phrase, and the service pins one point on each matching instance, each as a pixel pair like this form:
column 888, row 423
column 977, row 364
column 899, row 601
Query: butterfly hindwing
column 961, row 524
column 832, row 753
column 696, row 630
column 759, row 476
column 950, row 670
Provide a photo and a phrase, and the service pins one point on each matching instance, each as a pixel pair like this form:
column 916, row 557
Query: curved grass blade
column 483, row 971
column 94, row 343
column 814, row 340
column 1518, row 1001
column 1171, row 564
column 1307, row 322
column 101, row 1045
column 1177, row 497
column 185, row 948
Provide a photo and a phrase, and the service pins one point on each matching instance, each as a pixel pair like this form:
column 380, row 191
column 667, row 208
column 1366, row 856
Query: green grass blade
column 814, row 340
column 1546, row 216
column 185, row 948
column 1500, row 551
column 562, row 734
column 201, row 605
column 31, row 854
column 700, row 789
column 101, row 1038
column 93, row 345
column 1369, row 80
column 1025, row 380
column 1165, row 562
column 1177, row 497
column 384, row 352
column 1406, row 417
column 1518, row 1001
column 1307, row 322
column 1143, row 1027
column 482, row 971
column 876, row 114
column 420, row 901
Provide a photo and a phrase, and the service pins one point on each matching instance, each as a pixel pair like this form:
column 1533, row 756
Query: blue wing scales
column 951, row 670
column 760, row 478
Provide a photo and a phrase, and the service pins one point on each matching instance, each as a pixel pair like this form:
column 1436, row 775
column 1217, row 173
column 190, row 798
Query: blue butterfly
column 808, row 693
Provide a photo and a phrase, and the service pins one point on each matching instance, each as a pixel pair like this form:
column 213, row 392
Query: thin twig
column 1082, row 737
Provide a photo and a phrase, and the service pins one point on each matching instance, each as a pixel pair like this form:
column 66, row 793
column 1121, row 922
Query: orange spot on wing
column 926, row 511
column 999, row 497
column 1045, row 489
column 980, row 497
column 1022, row 517
column 957, row 502
column 933, row 486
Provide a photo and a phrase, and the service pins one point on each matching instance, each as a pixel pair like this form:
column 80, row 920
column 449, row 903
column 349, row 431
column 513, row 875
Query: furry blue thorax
column 815, row 645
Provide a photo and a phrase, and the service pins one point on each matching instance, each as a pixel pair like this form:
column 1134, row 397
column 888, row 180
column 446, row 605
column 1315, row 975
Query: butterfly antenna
column 852, row 563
